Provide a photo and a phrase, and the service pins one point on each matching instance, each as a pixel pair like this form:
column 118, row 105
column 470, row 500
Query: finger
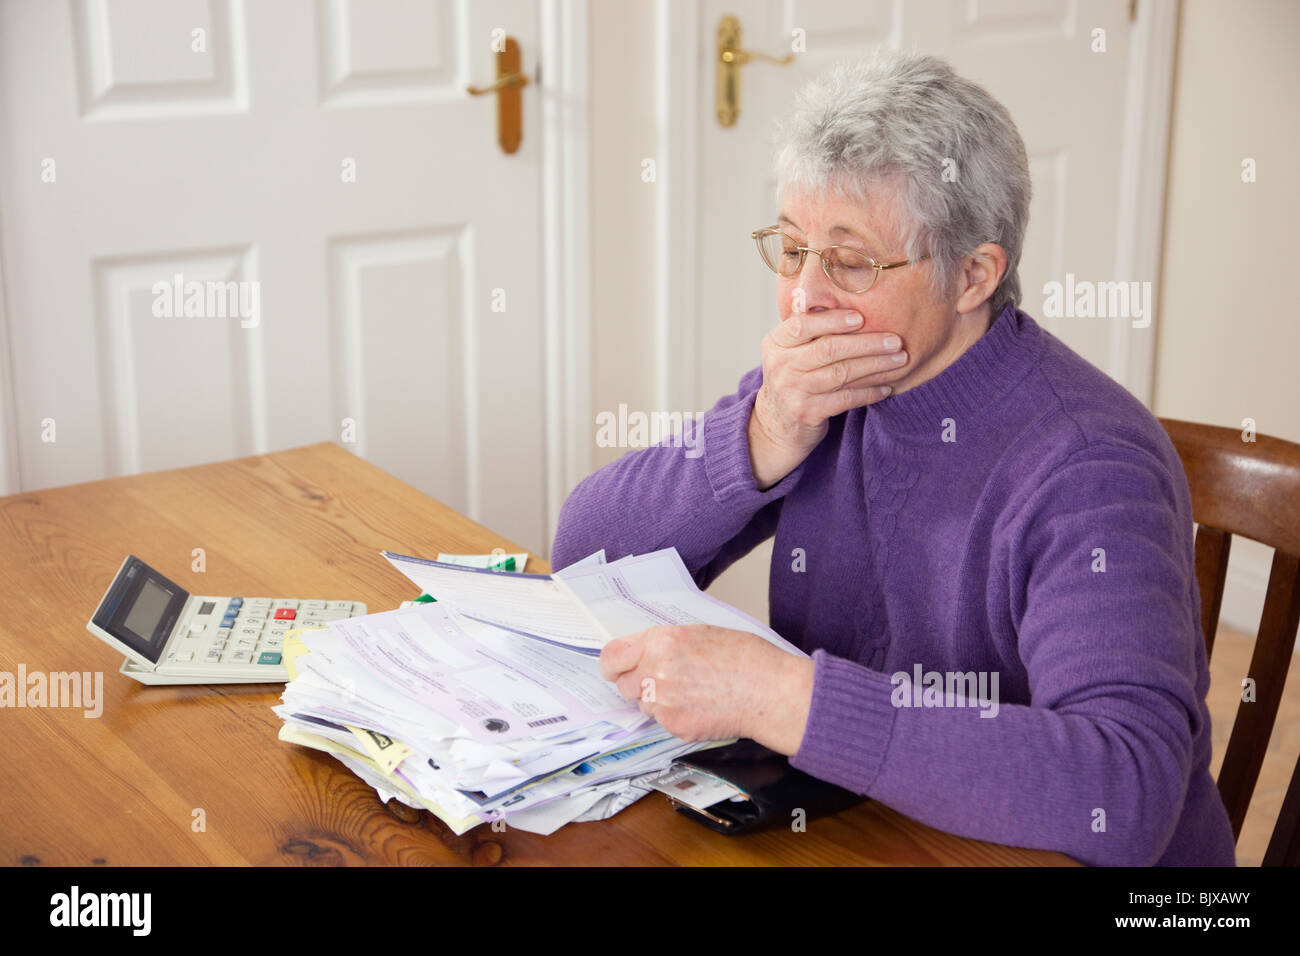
column 855, row 372
column 837, row 403
column 621, row 655
column 803, row 327
column 629, row 685
column 831, row 348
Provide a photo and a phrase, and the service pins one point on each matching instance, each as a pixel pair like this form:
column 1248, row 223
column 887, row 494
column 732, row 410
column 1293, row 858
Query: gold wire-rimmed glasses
column 850, row 269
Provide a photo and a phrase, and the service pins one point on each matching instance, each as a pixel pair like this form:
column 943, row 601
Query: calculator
column 170, row 636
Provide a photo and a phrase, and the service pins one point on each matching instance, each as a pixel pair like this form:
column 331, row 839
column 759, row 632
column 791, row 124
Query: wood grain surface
column 121, row 789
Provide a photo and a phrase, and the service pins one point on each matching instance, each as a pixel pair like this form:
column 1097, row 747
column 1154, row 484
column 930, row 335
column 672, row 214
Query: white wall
column 1228, row 330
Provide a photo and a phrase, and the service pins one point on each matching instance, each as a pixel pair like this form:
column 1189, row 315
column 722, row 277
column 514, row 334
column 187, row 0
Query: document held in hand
column 585, row 606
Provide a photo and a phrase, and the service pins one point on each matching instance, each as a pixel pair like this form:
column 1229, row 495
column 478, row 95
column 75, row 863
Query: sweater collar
column 980, row 375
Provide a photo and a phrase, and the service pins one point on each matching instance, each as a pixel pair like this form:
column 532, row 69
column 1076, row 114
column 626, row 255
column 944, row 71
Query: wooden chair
column 1250, row 489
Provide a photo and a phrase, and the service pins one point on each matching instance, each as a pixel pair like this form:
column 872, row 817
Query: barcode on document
column 547, row 720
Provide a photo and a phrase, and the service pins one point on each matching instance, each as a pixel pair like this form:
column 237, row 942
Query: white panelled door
column 323, row 160
column 1037, row 57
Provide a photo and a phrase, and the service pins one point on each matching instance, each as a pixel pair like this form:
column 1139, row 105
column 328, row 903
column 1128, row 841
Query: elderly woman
column 952, row 490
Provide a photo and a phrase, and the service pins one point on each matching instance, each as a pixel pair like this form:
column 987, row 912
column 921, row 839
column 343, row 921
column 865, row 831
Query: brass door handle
column 510, row 79
column 731, row 57
column 507, row 86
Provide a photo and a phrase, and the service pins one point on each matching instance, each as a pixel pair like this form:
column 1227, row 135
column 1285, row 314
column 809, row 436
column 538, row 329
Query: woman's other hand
column 815, row 366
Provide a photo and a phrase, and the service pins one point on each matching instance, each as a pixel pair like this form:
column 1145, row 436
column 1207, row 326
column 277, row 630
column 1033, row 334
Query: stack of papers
column 488, row 704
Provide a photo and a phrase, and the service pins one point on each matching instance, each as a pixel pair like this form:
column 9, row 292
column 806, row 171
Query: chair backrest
column 1252, row 489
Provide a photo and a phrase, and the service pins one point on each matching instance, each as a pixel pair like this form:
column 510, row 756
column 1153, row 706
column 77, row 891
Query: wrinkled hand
column 711, row 683
column 816, row 365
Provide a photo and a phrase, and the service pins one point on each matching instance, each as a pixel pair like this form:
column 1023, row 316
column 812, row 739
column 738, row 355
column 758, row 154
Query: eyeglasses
column 850, row 269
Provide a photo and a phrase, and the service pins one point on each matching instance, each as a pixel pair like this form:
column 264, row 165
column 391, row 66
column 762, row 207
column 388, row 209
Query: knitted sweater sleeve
column 1097, row 764
column 696, row 493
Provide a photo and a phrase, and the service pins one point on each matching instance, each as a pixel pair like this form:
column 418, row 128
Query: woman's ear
column 981, row 272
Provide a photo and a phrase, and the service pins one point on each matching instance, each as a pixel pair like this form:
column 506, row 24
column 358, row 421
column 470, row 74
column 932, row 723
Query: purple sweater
column 1019, row 515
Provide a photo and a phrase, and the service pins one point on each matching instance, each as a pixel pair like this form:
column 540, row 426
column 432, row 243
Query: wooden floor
column 1230, row 662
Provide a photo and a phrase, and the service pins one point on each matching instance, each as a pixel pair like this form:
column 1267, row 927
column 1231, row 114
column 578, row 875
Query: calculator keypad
column 251, row 630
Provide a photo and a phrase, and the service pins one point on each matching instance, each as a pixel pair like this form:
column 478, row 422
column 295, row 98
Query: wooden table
column 123, row 789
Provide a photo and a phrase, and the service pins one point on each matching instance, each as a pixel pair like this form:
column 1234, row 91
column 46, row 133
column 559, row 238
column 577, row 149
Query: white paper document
column 496, row 684
column 585, row 606
column 485, row 560
column 648, row 590
column 531, row 604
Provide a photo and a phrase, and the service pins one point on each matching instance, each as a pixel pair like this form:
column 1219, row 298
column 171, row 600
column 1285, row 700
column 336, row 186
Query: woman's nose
column 813, row 290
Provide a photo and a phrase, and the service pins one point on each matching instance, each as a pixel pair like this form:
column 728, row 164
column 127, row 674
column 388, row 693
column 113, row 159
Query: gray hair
column 911, row 118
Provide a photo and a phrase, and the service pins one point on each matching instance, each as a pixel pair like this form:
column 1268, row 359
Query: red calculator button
column 285, row 614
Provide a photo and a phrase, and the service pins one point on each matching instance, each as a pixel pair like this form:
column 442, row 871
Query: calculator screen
column 141, row 608
column 148, row 609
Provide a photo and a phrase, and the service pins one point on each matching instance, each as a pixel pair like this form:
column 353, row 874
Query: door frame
column 1144, row 173
column 677, row 26
column 1148, row 110
column 565, row 127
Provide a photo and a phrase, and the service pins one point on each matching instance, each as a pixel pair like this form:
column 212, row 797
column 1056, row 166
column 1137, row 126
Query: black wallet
column 774, row 791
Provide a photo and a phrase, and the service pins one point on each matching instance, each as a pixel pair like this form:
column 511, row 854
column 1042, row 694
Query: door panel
column 326, row 152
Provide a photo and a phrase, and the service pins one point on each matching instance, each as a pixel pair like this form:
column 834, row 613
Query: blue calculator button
column 269, row 657
column 236, row 602
column 228, row 621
